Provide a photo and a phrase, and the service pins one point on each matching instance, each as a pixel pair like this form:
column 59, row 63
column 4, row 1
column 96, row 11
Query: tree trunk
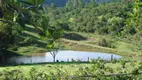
column 53, row 55
column 53, row 58
column 2, row 56
column 3, row 59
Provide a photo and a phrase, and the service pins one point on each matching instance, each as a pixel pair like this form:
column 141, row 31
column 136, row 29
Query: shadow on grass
column 74, row 36
column 59, row 63
column 45, row 63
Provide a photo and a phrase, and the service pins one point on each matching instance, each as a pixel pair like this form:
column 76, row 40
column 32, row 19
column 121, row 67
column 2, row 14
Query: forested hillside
column 91, row 17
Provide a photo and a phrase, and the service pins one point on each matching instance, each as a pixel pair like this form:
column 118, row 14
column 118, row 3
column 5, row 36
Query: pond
column 64, row 56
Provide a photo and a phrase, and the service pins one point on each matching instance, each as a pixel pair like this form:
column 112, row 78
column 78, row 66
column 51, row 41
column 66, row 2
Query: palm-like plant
column 13, row 11
column 49, row 33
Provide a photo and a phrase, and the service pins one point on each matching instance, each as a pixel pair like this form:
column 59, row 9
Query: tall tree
column 93, row 3
column 74, row 3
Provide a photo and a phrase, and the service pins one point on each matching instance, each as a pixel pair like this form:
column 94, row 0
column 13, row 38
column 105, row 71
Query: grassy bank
column 125, row 49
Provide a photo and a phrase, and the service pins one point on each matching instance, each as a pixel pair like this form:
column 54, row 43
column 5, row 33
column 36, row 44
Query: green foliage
column 103, row 42
column 97, row 71
column 5, row 35
column 106, row 43
column 72, row 60
column 13, row 12
column 110, row 18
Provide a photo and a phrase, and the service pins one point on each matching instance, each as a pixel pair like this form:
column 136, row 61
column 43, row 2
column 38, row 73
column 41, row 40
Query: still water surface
column 63, row 56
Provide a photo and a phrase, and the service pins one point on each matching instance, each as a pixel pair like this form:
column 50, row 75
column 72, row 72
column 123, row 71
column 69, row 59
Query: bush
column 5, row 35
column 103, row 42
column 106, row 43
column 72, row 60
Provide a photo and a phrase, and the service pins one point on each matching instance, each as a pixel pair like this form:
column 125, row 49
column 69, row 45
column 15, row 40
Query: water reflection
column 63, row 56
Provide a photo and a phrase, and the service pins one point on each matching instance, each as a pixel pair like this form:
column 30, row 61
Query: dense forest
column 105, row 18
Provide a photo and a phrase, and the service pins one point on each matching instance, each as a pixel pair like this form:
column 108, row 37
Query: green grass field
column 68, row 67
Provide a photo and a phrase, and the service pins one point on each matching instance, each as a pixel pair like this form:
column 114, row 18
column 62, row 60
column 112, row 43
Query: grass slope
column 127, row 50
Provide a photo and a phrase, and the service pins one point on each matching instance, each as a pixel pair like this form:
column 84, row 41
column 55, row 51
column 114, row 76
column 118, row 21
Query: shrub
column 103, row 42
column 106, row 43
column 5, row 35
column 72, row 60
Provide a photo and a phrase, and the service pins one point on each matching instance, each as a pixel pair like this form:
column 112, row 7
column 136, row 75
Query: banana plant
column 51, row 34
column 13, row 10
column 54, row 44
column 9, row 8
